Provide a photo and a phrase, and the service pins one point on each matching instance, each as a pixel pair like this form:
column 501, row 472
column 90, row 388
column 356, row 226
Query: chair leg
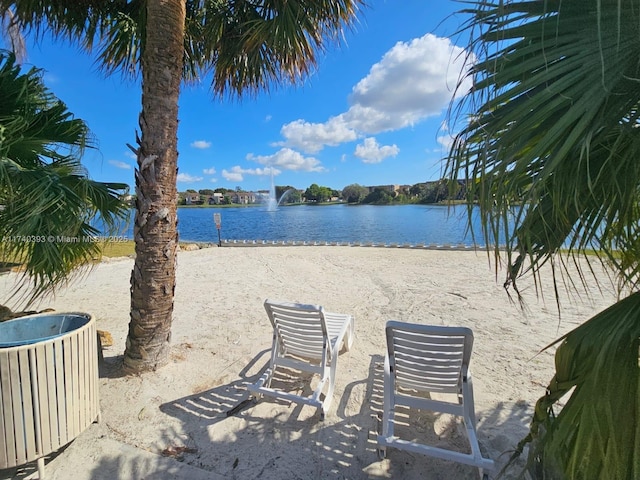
column 381, row 451
column 469, row 404
column 388, row 404
column 267, row 382
column 348, row 341
column 387, row 410
column 276, row 352
column 40, row 463
column 326, row 404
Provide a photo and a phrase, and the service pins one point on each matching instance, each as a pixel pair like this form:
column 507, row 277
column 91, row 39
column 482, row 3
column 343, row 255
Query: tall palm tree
column 47, row 203
column 246, row 45
column 551, row 150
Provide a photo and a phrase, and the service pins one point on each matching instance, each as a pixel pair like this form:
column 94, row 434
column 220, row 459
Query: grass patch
column 7, row 266
column 118, row 249
column 108, row 249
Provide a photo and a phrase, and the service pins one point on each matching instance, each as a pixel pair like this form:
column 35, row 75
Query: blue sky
column 374, row 111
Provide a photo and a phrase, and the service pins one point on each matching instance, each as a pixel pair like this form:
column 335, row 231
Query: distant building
column 191, row 198
column 393, row 189
column 216, row 199
column 243, row 198
column 388, row 188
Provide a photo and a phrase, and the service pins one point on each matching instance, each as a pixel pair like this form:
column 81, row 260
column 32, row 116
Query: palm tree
column 47, row 203
column 551, row 151
column 246, row 46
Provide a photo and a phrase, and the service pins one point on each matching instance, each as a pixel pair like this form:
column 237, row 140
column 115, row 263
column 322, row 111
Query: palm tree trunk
column 155, row 227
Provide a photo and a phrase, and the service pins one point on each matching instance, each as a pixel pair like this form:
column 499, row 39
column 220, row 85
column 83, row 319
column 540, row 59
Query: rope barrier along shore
column 301, row 243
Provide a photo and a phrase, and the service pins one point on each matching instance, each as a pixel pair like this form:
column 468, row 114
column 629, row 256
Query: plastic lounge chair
column 425, row 359
column 308, row 339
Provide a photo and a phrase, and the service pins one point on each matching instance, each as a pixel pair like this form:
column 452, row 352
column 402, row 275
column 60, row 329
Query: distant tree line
column 423, row 193
column 426, row 192
column 317, row 194
column 288, row 194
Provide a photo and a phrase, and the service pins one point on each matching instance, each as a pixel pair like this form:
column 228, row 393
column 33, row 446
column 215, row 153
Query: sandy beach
column 221, row 338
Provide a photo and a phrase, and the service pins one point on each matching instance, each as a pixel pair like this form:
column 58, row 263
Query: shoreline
column 221, row 338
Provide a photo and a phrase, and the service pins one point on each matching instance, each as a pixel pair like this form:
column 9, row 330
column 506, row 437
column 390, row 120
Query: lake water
column 384, row 224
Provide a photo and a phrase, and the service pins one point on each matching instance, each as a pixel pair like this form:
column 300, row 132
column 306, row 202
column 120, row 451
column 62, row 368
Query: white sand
column 221, row 337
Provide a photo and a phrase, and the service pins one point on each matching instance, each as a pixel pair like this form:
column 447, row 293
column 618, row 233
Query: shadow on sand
column 275, row 439
column 228, row 435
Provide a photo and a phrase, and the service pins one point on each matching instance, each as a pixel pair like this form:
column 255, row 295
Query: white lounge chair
column 306, row 338
column 423, row 359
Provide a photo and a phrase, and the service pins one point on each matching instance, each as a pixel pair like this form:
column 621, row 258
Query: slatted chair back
column 299, row 329
column 429, row 358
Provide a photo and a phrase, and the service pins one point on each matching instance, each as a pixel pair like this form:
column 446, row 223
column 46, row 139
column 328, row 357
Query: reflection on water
column 401, row 224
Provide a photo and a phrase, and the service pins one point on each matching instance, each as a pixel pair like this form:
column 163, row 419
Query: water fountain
column 272, row 202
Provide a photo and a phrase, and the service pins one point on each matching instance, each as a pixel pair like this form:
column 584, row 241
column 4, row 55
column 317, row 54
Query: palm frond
column 251, row 46
column 554, row 136
column 595, row 432
column 550, row 155
column 49, row 205
column 245, row 46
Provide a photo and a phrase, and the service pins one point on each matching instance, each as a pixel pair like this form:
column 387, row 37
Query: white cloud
column 412, row 81
column 371, row 152
column 446, row 141
column 312, row 137
column 288, row 159
column 209, row 171
column 201, row 144
column 185, row 177
column 130, row 154
column 232, row 176
column 237, row 173
column 119, row 164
